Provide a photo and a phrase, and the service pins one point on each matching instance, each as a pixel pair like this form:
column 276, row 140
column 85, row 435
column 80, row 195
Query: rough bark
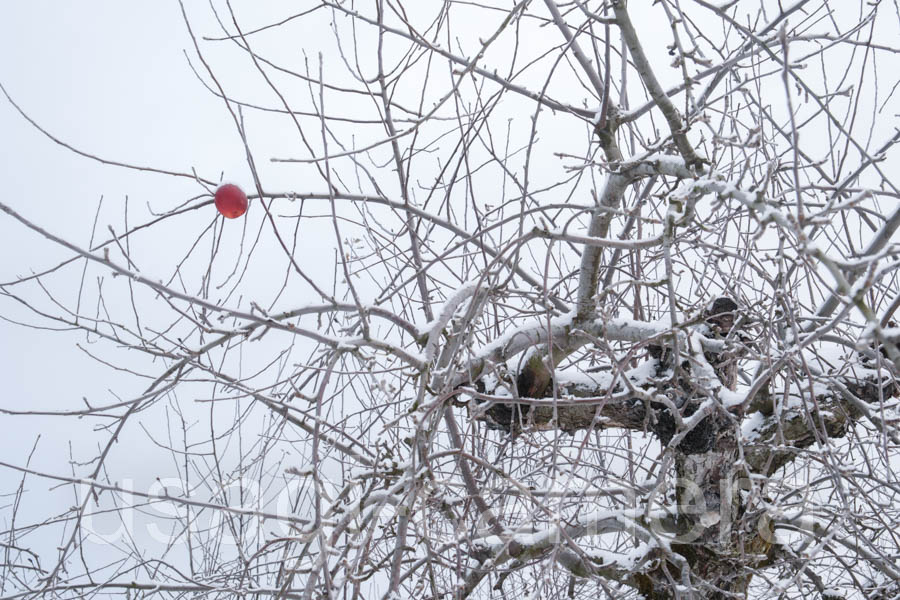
column 717, row 537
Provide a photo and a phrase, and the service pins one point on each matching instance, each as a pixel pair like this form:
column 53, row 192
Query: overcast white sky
column 111, row 78
column 108, row 77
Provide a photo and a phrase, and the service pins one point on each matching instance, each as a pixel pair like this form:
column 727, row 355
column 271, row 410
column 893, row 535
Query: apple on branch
column 231, row 201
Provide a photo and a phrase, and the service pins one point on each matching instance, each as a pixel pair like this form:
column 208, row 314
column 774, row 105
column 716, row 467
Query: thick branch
column 774, row 440
column 676, row 125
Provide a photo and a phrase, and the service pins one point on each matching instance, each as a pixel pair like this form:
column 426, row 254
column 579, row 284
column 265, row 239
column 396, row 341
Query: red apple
column 231, row 201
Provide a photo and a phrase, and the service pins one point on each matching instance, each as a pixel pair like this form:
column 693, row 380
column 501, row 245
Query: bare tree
column 609, row 312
